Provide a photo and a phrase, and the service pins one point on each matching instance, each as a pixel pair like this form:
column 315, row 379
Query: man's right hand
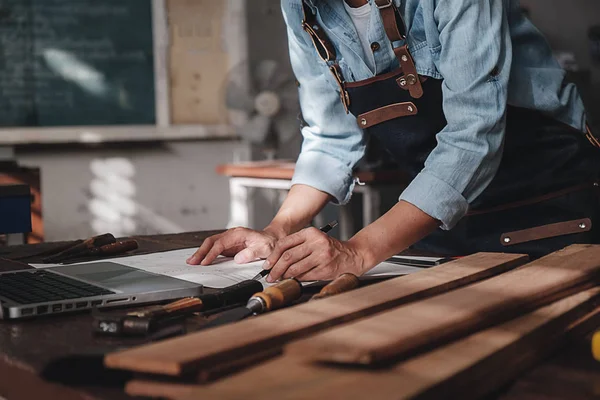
column 246, row 245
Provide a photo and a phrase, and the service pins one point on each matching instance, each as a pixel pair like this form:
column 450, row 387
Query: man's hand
column 311, row 255
column 245, row 244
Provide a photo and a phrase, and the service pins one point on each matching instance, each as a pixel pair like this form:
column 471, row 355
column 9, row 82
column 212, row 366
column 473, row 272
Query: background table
column 244, row 178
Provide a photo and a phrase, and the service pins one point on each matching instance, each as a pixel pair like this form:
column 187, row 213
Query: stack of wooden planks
column 473, row 323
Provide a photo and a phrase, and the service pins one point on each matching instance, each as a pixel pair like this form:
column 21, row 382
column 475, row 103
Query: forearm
column 301, row 205
column 394, row 232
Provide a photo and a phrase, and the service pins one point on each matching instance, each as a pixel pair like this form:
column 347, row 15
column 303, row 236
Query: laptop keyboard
column 43, row 286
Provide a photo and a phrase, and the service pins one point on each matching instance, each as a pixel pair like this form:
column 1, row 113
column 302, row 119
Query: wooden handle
column 280, row 294
column 118, row 248
column 596, row 346
column 341, row 284
column 100, row 240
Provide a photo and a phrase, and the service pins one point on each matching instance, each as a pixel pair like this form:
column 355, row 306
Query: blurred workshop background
column 117, row 114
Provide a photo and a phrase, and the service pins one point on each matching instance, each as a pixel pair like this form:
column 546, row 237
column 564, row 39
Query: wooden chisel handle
column 115, row 248
column 82, row 246
column 281, row 294
column 341, row 284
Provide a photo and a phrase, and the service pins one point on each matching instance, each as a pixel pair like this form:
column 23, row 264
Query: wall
column 142, row 189
column 152, row 188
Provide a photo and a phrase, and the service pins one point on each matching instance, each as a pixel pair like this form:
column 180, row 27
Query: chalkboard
column 76, row 62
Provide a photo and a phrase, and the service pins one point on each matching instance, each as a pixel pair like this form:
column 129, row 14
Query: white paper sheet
column 222, row 273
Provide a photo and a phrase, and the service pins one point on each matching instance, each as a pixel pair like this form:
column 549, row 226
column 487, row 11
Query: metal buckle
column 389, row 4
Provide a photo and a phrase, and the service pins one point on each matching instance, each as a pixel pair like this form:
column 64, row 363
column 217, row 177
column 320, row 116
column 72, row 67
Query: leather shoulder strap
column 395, row 29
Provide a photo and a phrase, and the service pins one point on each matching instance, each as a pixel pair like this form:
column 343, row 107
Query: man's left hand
column 311, row 255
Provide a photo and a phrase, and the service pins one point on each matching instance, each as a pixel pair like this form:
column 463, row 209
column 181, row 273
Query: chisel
column 113, row 249
column 280, row 295
column 148, row 320
column 81, row 247
column 272, row 298
column 341, row 284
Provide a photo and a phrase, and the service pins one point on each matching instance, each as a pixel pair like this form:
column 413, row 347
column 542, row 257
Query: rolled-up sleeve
column 333, row 143
column 475, row 61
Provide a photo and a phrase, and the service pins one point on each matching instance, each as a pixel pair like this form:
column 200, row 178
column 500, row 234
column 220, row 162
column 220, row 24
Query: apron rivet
column 582, row 225
column 404, row 58
column 363, row 121
column 411, row 79
column 402, row 82
column 507, row 240
column 410, row 109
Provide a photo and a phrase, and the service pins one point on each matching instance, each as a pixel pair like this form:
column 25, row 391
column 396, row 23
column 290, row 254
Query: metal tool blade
column 228, row 317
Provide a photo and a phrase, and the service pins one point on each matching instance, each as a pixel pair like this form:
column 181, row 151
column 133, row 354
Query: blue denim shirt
column 488, row 55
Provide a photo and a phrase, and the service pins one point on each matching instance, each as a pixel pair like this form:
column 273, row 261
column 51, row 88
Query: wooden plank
column 206, row 349
column 406, row 330
column 469, row 368
column 160, row 390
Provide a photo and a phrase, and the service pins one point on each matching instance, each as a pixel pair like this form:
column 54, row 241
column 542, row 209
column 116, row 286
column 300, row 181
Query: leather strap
column 390, row 20
column 546, row 231
column 320, row 40
column 395, row 29
column 591, row 137
column 386, row 113
column 410, row 80
column 325, row 50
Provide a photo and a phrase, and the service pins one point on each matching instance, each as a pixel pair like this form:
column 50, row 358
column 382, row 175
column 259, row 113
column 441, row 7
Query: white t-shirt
column 361, row 18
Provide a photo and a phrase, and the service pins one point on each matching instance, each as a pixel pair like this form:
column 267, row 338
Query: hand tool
column 324, row 229
column 112, row 249
column 596, row 346
column 151, row 319
column 272, row 298
column 341, row 284
column 280, row 295
column 81, row 247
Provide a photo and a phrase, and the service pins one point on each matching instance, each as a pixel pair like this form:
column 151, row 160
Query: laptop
column 76, row 287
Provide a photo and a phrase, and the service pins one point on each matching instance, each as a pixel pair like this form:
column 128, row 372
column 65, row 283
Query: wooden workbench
column 30, row 350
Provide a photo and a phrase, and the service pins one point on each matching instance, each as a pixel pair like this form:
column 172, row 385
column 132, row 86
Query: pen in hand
column 324, row 229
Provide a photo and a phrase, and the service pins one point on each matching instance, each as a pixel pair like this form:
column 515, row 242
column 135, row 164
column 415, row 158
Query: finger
column 289, row 257
column 302, row 267
column 245, row 256
column 283, row 245
column 206, row 245
column 230, row 239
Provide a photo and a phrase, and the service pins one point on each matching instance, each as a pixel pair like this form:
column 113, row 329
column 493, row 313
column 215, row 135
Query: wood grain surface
column 469, row 368
column 421, row 325
column 208, row 348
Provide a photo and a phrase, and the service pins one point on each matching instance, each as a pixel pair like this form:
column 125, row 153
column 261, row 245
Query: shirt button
column 375, row 46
